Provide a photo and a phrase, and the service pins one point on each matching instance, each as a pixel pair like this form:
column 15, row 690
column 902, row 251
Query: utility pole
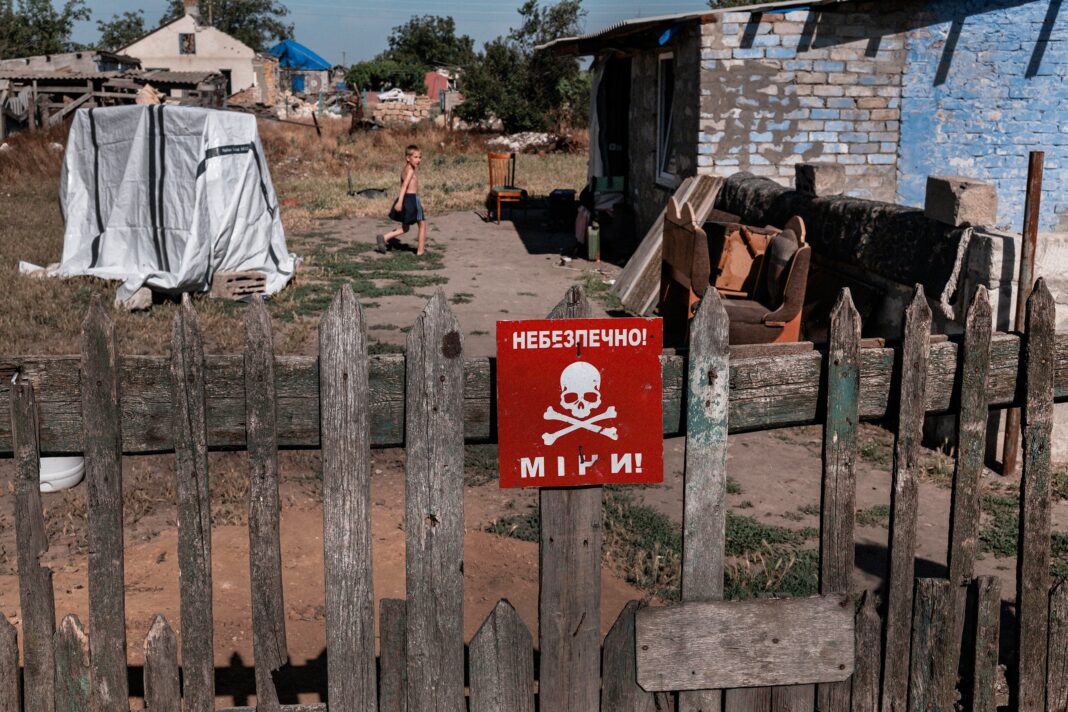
column 211, row 12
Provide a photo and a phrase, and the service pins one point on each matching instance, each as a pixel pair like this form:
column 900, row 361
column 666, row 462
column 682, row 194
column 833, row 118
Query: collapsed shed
column 167, row 197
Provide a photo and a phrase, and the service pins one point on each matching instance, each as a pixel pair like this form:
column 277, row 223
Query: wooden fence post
column 102, row 420
column 1057, row 665
column 865, row 692
column 502, row 663
column 704, row 516
column 903, row 503
column 569, row 603
column 162, row 691
column 619, row 689
column 194, row 508
column 10, row 688
column 36, row 596
column 346, row 451
column 971, row 451
column 393, row 667
column 837, row 510
column 72, row 666
column 434, row 515
column 1033, row 558
column 930, row 682
column 987, row 640
column 265, row 556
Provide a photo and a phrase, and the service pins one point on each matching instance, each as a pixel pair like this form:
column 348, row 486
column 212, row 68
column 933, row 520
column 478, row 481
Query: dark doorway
column 613, row 117
column 229, row 81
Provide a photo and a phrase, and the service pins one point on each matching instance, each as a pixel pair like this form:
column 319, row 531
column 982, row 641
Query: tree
column 121, row 30
column 384, row 73
column 526, row 89
column 430, row 41
column 32, row 27
column 257, row 23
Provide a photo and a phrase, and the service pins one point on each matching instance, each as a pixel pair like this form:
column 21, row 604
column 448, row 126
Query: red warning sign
column 579, row 402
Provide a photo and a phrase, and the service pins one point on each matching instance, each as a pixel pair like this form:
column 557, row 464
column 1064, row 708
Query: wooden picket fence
column 935, row 644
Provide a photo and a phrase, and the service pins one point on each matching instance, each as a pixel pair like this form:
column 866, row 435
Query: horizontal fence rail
column 770, row 387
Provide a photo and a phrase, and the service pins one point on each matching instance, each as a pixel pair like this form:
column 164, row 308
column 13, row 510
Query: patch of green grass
column 525, row 527
column 462, row 298
column 793, row 516
column 732, row 486
column 812, row 509
column 480, row 464
column 1000, row 535
column 876, row 451
column 792, row 572
column 526, row 294
column 380, row 347
column 745, row 505
column 597, row 290
column 1060, row 483
column 384, row 327
column 479, row 332
column 875, row 516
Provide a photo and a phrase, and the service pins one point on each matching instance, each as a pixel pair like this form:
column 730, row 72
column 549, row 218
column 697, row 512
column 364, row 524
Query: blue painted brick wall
column 1001, row 92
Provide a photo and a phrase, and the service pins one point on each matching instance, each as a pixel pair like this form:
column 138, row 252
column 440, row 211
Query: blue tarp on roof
column 294, row 55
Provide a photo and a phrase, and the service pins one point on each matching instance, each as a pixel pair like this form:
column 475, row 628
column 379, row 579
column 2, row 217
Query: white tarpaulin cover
column 166, row 196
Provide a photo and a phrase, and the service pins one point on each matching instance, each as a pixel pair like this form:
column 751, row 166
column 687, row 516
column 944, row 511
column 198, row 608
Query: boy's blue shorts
column 411, row 211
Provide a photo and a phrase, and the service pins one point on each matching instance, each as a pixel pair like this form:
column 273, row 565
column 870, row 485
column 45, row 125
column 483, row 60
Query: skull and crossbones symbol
column 580, row 395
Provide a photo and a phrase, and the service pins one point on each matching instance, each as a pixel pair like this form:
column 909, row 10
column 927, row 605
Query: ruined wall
column 822, row 85
column 646, row 195
column 984, row 84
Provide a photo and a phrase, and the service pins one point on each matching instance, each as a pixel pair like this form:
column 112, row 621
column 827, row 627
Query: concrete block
column 819, row 179
column 956, row 201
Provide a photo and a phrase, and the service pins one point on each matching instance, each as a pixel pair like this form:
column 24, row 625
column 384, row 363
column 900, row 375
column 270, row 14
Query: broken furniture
column 685, row 270
column 772, row 312
column 502, row 181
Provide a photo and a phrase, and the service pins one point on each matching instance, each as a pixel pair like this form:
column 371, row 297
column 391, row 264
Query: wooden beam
column 767, row 391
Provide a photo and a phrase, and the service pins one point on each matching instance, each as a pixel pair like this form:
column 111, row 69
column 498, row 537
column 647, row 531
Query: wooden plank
column 393, row 668
column 265, row 557
column 1032, row 563
column 704, row 516
column 103, row 474
column 72, row 666
column 162, row 693
column 36, row 596
column 350, row 602
column 1057, row 665
column 754, row 643
column 619, row 685
column 502, row 663
column 769, row 391
column 838, row 507
column 971, row 450
column 569, row 604
column 987, row 641
column 194, row 508
column 10, row 685
column 931, row 684
column 869, row 630
column 434, row 514
column 904, row 504
column 793, row 698
column 748, row 699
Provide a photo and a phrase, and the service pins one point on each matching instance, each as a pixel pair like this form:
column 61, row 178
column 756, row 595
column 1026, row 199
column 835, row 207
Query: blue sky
column 358, row 28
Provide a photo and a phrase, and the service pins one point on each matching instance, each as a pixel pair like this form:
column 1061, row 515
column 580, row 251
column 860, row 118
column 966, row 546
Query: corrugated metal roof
column 54, row 75
column 637, row 24
column 163, row 76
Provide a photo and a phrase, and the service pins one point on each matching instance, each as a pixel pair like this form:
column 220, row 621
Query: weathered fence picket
column 346, row 453
column 264, row 511
column 10, row 687
column 73, row 677
column 971, row 449
column 162, row 689
column 194, row 509
column 36, row 597
column 434, row 514
column 704, row 515
column 393, row 665
column 903, row 503
column 103, row 474
column 238, row 401
column 502, row 663
column 569, row 605
column 837, row 509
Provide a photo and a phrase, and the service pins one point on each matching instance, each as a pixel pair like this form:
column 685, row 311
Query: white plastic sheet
column 166, row 196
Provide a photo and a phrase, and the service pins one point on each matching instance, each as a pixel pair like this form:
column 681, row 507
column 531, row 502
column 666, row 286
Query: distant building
column 303, row 70
column 188, row 45
column 96, row 60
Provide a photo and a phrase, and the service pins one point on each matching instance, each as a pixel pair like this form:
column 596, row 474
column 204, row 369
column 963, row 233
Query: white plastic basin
column 60, row 473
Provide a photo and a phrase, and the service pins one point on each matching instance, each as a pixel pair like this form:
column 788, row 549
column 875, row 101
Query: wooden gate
column 935, row 642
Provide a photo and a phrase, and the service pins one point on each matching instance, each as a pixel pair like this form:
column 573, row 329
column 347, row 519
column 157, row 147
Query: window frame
column 187, row 40
column 664, row 133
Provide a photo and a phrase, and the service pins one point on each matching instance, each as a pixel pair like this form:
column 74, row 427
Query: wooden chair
column 502, row 181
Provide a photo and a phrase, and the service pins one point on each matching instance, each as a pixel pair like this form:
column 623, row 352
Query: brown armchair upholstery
column 685, row 271
column 773, row 314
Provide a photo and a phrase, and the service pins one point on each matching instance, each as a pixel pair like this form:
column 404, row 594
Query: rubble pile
column 398, row 113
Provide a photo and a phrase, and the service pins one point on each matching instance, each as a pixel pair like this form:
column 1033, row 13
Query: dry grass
column 310, row 176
